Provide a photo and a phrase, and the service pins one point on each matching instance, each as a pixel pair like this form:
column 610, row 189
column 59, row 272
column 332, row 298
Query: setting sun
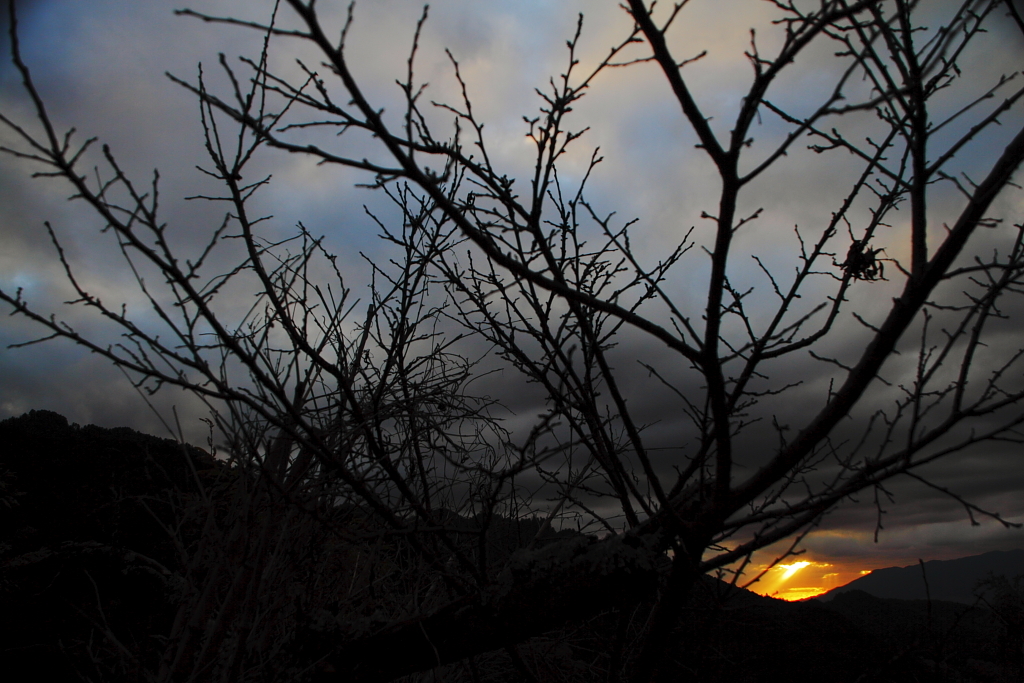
column 802, row 580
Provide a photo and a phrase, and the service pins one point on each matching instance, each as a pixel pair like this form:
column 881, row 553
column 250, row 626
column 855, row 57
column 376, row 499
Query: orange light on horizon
column 804, row 579
column 806, row 593
column 804, row 576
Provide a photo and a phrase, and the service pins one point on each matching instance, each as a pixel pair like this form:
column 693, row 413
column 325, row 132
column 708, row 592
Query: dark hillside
column 772, row 640
column 951, row 580
column 86, row 560
column 65, row 483
column 82, row 545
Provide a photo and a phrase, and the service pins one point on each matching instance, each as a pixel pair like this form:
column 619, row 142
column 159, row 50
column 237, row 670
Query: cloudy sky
column 100, row 67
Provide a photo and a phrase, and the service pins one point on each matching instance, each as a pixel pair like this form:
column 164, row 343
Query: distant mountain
column 951, row 580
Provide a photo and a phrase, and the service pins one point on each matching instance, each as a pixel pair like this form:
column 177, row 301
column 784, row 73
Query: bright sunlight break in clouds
column 802, row 579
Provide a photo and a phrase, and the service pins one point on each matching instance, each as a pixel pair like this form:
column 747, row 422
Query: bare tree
column 360, row 426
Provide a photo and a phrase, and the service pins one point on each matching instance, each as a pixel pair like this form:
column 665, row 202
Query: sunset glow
column 805, row 579
column 792, row 569
column 802, row 593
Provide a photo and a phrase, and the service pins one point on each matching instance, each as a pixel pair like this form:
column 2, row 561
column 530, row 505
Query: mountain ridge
column 948, row 580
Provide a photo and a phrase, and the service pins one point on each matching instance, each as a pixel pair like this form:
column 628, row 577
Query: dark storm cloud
column 101, row 69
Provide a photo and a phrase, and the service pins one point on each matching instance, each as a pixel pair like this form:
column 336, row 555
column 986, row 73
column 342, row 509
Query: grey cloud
column 105, row 76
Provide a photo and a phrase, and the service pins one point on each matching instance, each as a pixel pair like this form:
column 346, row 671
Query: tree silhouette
column 358, row 428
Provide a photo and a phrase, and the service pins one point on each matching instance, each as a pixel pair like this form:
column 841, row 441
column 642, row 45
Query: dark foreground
column 90, row 570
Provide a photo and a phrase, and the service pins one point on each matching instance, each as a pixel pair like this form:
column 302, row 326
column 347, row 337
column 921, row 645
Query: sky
column 100, row 66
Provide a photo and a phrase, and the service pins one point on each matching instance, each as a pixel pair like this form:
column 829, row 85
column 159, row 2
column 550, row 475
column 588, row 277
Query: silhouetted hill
column 82, row 539
column 83, row 552
column 754, row 638
column 65, row 483
column 855, row 637
column 951, row 580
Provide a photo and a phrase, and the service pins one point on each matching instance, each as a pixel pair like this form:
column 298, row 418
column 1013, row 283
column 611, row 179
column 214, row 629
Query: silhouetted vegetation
column 99, row 525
